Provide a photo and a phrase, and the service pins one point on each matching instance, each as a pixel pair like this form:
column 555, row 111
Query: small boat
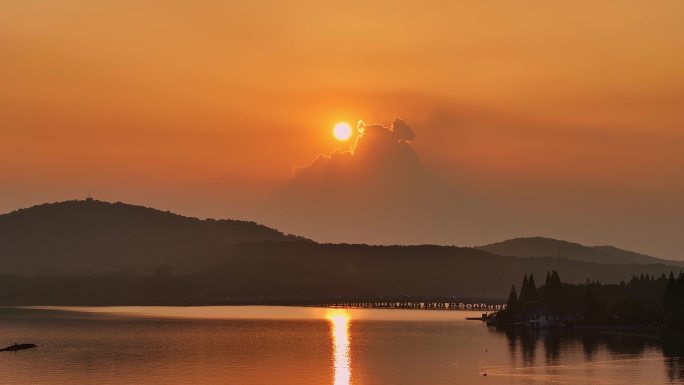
column 483, row 318
column 15, row 347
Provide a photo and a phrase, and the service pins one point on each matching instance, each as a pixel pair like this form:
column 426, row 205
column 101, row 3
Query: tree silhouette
column 524, row 290
column 670, row 296
column 512, row 302
column 532, row 289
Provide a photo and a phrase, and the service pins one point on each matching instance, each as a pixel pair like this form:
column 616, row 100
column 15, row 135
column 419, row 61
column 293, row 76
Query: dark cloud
column 402, row 131
column 375, row 192
column 381, row 160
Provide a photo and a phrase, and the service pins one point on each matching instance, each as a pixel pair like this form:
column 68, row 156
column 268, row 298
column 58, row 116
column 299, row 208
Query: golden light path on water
column 339, row 331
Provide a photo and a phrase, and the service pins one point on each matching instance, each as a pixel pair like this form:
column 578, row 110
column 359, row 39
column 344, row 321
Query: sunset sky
column 560, row 119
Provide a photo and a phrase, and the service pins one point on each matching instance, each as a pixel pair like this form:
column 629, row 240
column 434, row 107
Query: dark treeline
column 300, row 269
column 644, row 301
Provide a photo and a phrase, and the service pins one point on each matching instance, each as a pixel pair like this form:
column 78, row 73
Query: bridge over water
column 415, row 303
column 376, row 302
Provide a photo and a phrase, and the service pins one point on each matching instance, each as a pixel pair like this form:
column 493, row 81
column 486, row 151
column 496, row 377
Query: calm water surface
column 280, row 345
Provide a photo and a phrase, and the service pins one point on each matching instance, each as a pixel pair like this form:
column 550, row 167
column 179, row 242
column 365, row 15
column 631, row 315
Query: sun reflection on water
column 339, row 331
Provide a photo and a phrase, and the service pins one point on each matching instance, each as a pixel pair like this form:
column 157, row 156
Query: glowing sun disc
column 342, row 131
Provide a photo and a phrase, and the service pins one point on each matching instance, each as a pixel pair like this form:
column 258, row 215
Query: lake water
column 281, row 345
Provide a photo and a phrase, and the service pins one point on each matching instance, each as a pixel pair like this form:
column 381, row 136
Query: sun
column 342, row 131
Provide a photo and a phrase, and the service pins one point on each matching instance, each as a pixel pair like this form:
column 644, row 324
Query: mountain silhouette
column 93, row 237
column 548, row 247
column 93, row 252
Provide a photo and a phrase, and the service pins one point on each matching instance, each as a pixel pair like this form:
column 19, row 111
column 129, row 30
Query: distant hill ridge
column 548, row 247
column 92, row 237
column 230, row 257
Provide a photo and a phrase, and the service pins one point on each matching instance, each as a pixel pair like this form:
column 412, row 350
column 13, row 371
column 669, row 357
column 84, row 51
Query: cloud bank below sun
column 378, row 151
column 376, row 191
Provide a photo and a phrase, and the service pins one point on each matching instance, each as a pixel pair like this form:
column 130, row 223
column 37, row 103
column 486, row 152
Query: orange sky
column 562, row 120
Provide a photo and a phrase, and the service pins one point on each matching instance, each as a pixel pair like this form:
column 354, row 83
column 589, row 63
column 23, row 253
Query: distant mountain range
column 547, row 247
column 108, row 245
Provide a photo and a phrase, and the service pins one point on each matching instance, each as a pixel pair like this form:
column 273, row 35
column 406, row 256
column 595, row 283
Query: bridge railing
column 416, row 305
